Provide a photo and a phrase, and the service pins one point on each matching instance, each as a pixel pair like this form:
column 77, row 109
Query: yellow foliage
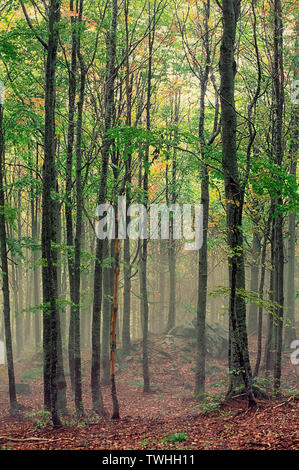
column 157, row 168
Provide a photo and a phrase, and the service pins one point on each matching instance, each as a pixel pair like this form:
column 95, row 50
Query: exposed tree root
column 257, row 392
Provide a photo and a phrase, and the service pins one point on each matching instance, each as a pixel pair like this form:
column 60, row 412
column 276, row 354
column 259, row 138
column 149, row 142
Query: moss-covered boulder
column 216, row 337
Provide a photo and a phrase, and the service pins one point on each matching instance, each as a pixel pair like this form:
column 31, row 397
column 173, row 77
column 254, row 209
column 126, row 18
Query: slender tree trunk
column 36, row 283
column 61, row 382
column 254, row 282
column 107, row 295
column 171, row 241
column 97, row 400
column 261, row 296
column 200, row 374
column 19, row 315
column 115, row 413
column 290, row 332
column 268, row 355
column 5, row 281
column 202, row 290
column 144, row 316
column 126, row 327
column 69, row 202
column 160, row 316
column 78, row 234
column 144, row 242
column 278, row 221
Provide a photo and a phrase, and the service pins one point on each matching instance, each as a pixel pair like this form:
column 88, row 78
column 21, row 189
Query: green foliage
column 17, row 247
column 270, row 306
column 137, row 383
column 264, row 384
column 145, row 442
column 176, row 437
column 210, row 403
column 220, row 383
column 275, row 179
column 184, row 358
column 10, row 214
column 42, row 419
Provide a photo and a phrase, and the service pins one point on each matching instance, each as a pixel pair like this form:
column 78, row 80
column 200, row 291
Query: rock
column 178, row 342
column 216, row 340
column 168, row 340
column 128, row 358
column 216, row 337
column 23, row 389
column 187, row 330
column 187, row 346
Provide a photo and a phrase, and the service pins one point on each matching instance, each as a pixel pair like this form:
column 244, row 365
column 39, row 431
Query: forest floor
column 168, row 418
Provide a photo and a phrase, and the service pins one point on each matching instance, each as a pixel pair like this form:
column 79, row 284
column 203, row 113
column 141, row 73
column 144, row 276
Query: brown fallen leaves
column 148, row 420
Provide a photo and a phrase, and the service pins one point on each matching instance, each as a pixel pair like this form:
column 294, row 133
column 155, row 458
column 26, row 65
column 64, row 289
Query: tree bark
column 115, row 413
column 261, row 296
column 126, row 327
column 69, row 185
column 107, row 296
column 97, row 300
column 254, row 282
column 278, row 82
column 144, row 243
column 5, row 280
column 240, row 369
column 49, row 221
column 290, row 332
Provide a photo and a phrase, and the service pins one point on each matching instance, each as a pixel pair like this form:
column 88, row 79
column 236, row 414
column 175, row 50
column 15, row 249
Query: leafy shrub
column 42, row 419
column 177, row 437
column 210, row 403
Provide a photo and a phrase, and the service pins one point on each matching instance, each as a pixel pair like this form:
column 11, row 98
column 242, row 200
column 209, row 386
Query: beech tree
column 49, row 221
column 5, row 274
column 239, row 362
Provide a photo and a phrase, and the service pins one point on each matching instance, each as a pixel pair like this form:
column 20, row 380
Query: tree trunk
column 49, row 221
column 200, row 373
column 36, row 278
column 61, row 383
column 144, row 248
column 5, row 281
column 268, row 354
column 202, row 290
column 290, row 332
column 240, row 369
column 171, row 241
column 97, row 300
column 115, row 413
column 278, row 220
column 261, row 296
column 126, row 328
column 254, row 282
column 107, row 295
column 69, row 185
column 78, row 234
